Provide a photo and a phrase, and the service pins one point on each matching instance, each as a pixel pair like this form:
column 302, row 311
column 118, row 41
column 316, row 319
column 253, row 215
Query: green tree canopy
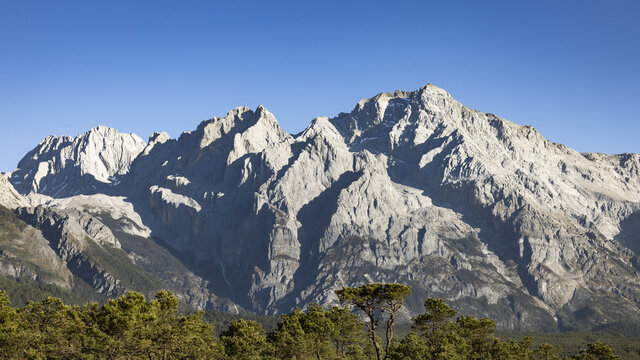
column 132, row 327
column 377, row 301
column 596, row 351
column 245, row 340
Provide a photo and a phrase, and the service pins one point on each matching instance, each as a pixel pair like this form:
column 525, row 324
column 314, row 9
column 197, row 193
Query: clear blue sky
column 569, row 68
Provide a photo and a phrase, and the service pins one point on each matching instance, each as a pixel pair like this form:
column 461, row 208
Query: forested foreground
column 133, row 328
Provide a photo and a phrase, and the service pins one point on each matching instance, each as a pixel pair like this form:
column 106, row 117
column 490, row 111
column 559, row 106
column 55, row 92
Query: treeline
column 222, row 320
column 21, row 291
column 131, row 327
column 628, row 348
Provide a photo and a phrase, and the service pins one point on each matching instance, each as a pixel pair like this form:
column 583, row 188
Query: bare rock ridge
column 409, row 187
column 63, row 166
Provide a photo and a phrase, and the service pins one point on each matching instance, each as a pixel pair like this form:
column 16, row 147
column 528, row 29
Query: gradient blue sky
column 569, row 68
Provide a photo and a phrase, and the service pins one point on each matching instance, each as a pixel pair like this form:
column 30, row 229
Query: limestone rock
column 63, row 166
column 409, row 187
column 9, row 197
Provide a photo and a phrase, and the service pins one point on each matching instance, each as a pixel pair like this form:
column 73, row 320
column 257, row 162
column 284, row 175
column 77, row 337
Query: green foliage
column 465, row 338
column 245, row 340
column 596, row 351
column 411, row 347
column 10, row 224
column 116, row 262
column 21, row 291
column 567, row 344
column 479, row 333
column 347, row 334
column 51, row 329
column 132, row 327
column 9, row 327
column 293, row 342
column 377, row 301
column 509, row 350
column 221, row 320
column 128, row 327
column 546, row 351
column 319, row 334
column 436, row 318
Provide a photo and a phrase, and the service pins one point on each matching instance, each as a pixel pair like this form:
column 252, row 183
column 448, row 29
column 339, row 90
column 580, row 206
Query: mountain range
column 410, row 187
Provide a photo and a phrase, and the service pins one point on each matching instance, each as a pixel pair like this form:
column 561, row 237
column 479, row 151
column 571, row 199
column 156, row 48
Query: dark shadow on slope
column 67, row 183
column 315, row 217
column 374, row 137
column 108, row 270
column 183, row 157
column 316, row 214
column 459, row 198
column 224, row 242
column 629, row 235
column 296, row 149
column 159, row 258
column 499, row 237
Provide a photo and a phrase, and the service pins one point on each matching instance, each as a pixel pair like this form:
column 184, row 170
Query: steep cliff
column 409, row 187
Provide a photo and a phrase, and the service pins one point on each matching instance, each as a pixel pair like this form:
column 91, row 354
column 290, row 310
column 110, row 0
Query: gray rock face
column 98, row 241
column 71, row 235
column 64, row 166
column 9, row 197
column 409, row 187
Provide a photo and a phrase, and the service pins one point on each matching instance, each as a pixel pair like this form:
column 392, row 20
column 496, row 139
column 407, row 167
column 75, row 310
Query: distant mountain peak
column 99, row 154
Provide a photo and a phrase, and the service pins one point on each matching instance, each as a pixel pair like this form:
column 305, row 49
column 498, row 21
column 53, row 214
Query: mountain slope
column 92, row 246
column 410, row 187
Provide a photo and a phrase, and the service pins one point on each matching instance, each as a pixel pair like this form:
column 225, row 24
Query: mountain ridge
column 101, row 154
column 412, row 187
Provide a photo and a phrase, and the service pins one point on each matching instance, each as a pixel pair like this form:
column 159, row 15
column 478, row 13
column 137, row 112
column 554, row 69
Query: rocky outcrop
column 410, row 187
column 75, row 237
column 116, row 208
column 62, row 166
column 9, row 197
column 25, row 253
column 96, row 242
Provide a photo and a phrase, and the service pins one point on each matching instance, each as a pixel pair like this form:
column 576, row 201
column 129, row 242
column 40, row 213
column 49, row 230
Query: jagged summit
column 409, row 187
column 62, row 165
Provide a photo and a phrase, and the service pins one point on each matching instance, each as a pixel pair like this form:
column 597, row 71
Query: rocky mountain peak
column 409, row 187
column 431, row 90
column 155, row 139
column 373, row 118
column 103, row 131
column 265, row 119
column 62, row 166
column 262, row 131
column 215, row 128
column 320, row 126
column 159, row 137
